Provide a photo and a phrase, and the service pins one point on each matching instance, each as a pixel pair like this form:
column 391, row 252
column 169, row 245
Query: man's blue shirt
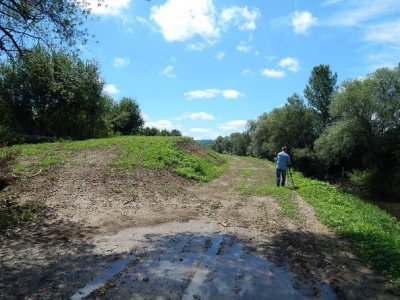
column 282, row 160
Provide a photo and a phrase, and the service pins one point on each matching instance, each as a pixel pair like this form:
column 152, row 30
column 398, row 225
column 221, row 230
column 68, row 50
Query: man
column 282, row 163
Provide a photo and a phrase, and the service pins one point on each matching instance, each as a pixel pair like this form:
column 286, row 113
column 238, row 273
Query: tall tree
column 366, row 131
column 128, row 118
column 318, row 91
column 52, row 94
column 41, row 22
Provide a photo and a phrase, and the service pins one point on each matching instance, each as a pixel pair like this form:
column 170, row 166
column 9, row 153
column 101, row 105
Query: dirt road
column 107, row 234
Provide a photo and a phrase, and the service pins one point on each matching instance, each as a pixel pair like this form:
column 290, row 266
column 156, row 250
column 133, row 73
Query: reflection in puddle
column 102, row 278
column 197, row 266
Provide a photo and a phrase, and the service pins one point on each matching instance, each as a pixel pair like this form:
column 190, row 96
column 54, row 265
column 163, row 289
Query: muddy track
column 107, row 234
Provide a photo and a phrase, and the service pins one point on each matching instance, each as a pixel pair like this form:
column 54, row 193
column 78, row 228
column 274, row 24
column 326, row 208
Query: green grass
column 16, row 214
column 132, row 151
column 149, row 152
column 374, row 233
column 264, row 185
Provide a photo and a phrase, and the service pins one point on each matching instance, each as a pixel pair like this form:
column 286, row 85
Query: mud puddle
column 193, row 260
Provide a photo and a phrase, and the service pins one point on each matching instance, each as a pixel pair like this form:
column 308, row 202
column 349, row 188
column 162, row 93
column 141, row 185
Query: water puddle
column 103, row 278
column 195, row 265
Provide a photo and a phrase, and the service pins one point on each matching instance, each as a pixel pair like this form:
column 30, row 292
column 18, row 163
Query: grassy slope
column 149, row 152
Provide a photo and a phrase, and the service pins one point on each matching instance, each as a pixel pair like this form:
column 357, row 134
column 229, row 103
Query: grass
column 374, row 233
column 149, row 152
column 264, row 185
column 132, row 151
column 16, row 214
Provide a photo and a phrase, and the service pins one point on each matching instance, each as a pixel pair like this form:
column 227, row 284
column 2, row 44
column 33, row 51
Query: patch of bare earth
column 166, row 233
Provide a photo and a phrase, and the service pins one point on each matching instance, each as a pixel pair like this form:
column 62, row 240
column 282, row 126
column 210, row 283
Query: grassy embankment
column 149, row 152
column 374, row 233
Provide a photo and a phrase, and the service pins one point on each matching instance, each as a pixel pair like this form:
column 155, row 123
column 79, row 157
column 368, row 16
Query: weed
column 374, row 233
column 16, row 214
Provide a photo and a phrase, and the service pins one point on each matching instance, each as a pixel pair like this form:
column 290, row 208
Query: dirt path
column 105, row 234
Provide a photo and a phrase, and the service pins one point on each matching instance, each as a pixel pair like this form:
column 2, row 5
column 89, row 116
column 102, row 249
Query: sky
column 206, row 67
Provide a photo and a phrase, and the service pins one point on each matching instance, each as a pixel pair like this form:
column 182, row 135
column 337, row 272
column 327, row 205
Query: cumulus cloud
column 272, row 73
column 180, row 20
column 109, row 7
column 121, row 62
column 241, row 17
column 211, row 93
column 302, row 21
column 197, row 116
column 289, row 63
column 169, row 72
column 233, row 125
column 111, row 89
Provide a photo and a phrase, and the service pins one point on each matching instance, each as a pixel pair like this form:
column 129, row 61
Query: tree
column 318, row 91
column 366, row 131
column 52, row 94
column 41, row 22
column 127, row 118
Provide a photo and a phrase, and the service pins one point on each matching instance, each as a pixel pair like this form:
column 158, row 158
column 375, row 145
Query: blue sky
column 206, row 67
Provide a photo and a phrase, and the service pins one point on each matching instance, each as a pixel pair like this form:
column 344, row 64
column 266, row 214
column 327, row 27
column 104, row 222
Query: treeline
column 58, row 95
column 351, row 130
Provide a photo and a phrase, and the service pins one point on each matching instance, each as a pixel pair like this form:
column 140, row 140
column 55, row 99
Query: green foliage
column 16, row 214
column 52, row 94
column 127, row 118
column 374, row 233
column 318, row 91
column 51, row 24
column 163, row 153
column 366, row 131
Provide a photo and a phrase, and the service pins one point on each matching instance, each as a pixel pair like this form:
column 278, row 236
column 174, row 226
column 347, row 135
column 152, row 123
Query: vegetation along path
column 102, row 230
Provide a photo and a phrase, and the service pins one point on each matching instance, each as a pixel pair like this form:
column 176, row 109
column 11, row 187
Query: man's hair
column 284, row 148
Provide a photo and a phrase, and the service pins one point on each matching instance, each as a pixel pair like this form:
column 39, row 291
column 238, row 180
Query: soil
column 103, row 233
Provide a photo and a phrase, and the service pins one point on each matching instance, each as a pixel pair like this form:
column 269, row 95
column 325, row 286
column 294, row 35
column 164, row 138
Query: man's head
column 284, row 148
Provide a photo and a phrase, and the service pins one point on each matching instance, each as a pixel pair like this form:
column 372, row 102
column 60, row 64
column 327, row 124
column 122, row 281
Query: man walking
column 282, row 163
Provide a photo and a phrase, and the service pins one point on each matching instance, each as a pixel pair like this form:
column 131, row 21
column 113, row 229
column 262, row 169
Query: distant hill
column 204, row 142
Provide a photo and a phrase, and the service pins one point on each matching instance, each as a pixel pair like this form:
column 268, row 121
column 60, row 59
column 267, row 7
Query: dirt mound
column 194, row 148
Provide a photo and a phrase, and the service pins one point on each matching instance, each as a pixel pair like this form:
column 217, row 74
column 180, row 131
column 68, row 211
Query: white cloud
column 232, row 94
column 121, row 61
column 203, row 133
column 289, row 63
column 161, row 124
column 211, row 93
column 169, row 72
column 180, row 20
column 197, row 116
column 241, row 17
column 384, row 33
column 302, row 21
column 111, row 89
column 271, row 73
column 357, row 12
column 108, row 7
column 244, row 47
column 201, row 94
column 220, row 55
column 233, row 125
column 196, row 46
column 247, row 72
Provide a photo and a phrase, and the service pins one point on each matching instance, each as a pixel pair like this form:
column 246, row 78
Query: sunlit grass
column 374, row 233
